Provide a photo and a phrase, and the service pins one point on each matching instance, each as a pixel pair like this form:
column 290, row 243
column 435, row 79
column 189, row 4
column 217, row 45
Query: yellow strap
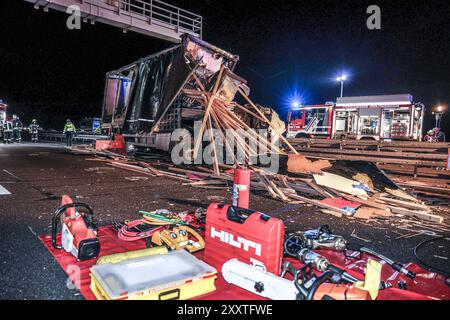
column 373, row 278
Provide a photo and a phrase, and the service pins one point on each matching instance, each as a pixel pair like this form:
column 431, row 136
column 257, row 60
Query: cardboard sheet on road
column 336, row 182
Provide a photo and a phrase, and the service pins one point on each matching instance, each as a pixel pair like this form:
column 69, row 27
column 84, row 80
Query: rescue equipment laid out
column 246, row 235
column 246, row 248
column 176, row 275
column 79, row 230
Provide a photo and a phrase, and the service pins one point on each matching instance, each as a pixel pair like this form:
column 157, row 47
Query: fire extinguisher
column 241, row 188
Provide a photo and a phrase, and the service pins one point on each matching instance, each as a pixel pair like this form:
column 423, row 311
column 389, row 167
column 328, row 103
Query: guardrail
column 81, row 138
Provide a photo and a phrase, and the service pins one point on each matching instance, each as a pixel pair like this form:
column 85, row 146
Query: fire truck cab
column 310, row 121
column 386, row 117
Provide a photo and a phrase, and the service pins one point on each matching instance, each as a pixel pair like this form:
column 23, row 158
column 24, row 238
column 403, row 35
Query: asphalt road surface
column 36, row 176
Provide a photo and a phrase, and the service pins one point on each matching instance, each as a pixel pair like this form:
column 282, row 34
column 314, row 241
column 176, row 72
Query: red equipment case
column 249, row 236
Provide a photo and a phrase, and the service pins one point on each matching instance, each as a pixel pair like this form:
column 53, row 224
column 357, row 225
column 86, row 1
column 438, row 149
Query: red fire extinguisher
column 241, row 188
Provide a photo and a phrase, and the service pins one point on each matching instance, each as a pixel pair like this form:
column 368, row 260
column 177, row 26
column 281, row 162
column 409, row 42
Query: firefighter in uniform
column 430, row 137
column 34, row 131
column 1, row 129
column 7, row 132
column 440, row 136
column 70, row 131
column 17, row 129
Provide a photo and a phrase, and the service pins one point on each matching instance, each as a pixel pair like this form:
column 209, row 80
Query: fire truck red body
column 310, row 121
column 389, row 117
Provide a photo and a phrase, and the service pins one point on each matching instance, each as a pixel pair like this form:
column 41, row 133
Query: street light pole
column 439, row 113
column 342, row 79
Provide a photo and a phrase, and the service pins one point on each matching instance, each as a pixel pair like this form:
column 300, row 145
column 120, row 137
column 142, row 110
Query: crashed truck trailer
column 146, row 101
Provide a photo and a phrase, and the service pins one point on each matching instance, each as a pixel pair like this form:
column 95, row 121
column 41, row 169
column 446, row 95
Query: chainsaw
column 79, row 230
column 306, row 285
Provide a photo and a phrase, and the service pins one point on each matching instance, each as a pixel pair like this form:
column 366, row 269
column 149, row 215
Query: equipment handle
column 239, row 215
column 57, row 215
column 162, row 296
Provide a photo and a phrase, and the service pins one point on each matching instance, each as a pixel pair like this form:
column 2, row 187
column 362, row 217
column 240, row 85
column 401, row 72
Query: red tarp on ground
column 341, row 203
column 425, row 286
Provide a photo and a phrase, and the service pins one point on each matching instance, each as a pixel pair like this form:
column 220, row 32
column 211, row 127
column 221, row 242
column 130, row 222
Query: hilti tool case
column 249, row 236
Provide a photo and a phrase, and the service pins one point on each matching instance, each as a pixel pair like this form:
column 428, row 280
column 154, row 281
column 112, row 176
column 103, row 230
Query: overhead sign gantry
column 150, row 17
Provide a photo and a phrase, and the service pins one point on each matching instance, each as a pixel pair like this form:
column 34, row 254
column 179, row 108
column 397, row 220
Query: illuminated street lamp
column 342, row 79
column 296, row 104
column 439, row 113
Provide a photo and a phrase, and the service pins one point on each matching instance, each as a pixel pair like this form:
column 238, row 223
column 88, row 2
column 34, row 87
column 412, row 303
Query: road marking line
column 11, row 174
column 3, row 191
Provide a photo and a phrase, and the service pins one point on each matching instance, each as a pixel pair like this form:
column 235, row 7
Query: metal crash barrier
column 81, row 138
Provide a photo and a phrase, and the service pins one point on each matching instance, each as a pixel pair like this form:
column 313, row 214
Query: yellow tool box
column 177, row 275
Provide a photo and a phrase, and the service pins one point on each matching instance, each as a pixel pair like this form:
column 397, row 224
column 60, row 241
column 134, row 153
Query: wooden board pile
column 359, row 197
column 417, row 158
column 418, row 167
column 219, row 105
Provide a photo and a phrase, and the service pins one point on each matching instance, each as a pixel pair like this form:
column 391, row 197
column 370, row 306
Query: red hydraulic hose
column 126, row 235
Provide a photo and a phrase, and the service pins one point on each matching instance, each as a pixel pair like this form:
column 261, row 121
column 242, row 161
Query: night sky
column 51, row 73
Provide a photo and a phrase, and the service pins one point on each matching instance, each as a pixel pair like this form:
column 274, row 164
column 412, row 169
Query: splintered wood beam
column 195, row 93
column 267, row 120
column 249, row 112
column 207, row 111
column 213, row 141
column 319, row 204
column 219, row 127
column 262, row 141
column 418, row 214
column 233, row 126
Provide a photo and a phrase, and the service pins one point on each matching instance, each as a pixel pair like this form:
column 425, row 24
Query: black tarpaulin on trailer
column 158, row 82
column 155, row 83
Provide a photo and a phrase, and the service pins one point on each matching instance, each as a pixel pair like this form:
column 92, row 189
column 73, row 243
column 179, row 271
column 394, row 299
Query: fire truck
column 310, row 121
column 386, row 117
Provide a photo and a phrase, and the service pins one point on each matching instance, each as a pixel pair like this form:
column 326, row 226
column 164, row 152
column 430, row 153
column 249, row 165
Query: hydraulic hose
column 430, row 268
column 126, row 235
column 395, row 265
column 317, row 283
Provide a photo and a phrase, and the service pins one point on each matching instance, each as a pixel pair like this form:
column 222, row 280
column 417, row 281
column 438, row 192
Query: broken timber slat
column 318, row 189
column 365, row 202
column 418, row 214
column 276, row 189
column 319, row 204
column 405, row 204
column 151, row 168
